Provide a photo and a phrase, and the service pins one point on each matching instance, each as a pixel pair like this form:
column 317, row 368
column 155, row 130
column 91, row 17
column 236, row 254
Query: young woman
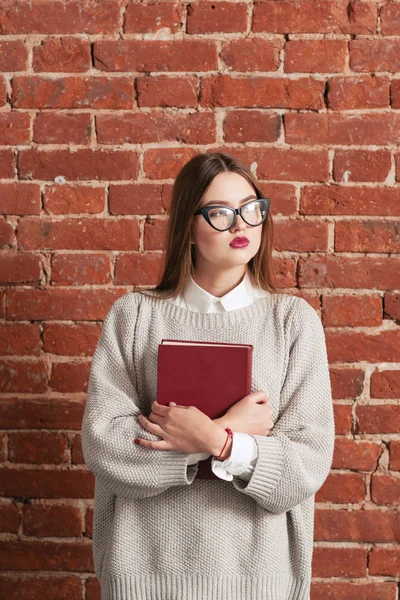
column 158, row 532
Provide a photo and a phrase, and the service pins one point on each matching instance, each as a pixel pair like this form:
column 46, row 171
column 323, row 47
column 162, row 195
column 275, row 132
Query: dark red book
column 209, row 375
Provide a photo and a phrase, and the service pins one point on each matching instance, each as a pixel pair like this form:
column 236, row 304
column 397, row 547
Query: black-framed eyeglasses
column 222, row 217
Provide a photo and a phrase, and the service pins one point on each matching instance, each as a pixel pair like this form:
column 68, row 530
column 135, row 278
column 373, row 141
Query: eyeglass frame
column 238, row 211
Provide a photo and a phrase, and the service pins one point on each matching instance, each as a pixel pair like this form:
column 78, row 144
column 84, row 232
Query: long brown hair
column 179, row 257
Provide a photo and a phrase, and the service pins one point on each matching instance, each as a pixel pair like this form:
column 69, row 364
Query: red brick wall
column 101, row 104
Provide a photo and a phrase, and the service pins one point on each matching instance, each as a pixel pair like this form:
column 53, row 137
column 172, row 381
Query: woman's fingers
column 149, row 426
column 156, row 445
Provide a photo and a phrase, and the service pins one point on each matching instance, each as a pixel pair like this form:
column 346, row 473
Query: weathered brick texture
column 101, row 103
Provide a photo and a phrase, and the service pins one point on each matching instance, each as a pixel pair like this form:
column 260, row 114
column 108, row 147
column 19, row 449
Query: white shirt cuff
column 241, row 462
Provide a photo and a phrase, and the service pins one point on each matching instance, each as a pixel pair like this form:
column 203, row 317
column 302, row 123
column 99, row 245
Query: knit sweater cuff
column 177, row 471
column 268, row 469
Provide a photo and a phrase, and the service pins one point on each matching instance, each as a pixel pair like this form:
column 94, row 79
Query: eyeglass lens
column 222, row 218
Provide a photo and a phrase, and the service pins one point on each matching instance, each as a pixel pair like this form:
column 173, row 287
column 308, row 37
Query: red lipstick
column 239, row 242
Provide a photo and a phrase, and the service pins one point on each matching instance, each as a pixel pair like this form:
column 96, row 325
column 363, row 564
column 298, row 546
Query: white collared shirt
column 244, row 452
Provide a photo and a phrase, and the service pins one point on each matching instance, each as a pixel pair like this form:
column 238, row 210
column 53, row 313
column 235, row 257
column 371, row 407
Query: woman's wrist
column 221, row 437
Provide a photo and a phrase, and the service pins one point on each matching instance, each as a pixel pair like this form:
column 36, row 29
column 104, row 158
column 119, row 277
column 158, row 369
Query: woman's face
column 212, row 246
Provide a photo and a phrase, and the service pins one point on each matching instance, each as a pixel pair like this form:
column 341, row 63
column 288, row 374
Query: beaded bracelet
column 230, row 433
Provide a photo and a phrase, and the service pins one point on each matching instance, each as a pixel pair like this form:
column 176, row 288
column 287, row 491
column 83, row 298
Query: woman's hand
column 182, row 428
column 252, row 414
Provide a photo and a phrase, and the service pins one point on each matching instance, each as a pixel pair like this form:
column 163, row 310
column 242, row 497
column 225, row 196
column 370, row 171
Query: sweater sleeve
column 295, row 458
column 109, row 424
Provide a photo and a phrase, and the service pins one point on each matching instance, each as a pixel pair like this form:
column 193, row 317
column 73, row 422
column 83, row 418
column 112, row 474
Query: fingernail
column 137, row 441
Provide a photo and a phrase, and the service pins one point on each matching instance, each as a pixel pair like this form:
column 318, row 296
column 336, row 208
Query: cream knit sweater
column 158, row 532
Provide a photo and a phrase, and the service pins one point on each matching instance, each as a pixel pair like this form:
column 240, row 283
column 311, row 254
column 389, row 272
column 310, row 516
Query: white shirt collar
column 199, row 299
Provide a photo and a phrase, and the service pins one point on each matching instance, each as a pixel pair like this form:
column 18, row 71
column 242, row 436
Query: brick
column 34, row 91
column 45, row 483
column 26, row 555
column 41, row 588
column 315, row 56
column 63, row 55
column 74, row 199
column 340, row 562
column 80, row 269
column 385, row 489
column 216, row 17
column 329, row 129
column 307, row 16
column 20, row 198
column 292, row 164
column 167, row 91
column 354, row 200
column 394, row 455
column 375, row 55
column 285, row 270
column 390, row 19
column 385, row 384
column 14, row 128
column 344, row 272
column 9, row 520
column 262, row 91
column 3, row 92
column 19, row 268
column 378, row 418
column 384, row 561
column 150, row 18
column 156, row 126
column 136, row 199
column 7, row 161
column 62, row 128
column 282, row 195
column 371, row 526
column 301, row 236
column 7, row 237
column 361, row 165
column 23, row 376
column 251, row 125
column 397, row 164
column 78, row 234
column 138, row 269
column 352, row 311
column 342, row 414
column 41, row 413
column 355, row 346
column 69, row 377
column 391, row 303
column 363, row 91
column 340, row 488
column 345, row 382
column 79, row 339
column 51, row 521
column 89, row 522
column 395, row 93
column 19, row 339
column 155, row 231
column 13, row 56
column 59, row 304
column 155, row 55
column 80, row 164
column 355, row 455
column 251, row 54
column 77, row 457
column 342, row 590
column 367, row 236
column 165, row 163
column 44, row 447
column 98, row 16
column 93, row 591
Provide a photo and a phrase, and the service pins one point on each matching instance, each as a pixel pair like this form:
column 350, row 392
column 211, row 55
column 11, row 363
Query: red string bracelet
column 230, row 433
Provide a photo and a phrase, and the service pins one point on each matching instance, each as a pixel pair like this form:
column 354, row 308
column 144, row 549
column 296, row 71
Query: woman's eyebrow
column 225, row 202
